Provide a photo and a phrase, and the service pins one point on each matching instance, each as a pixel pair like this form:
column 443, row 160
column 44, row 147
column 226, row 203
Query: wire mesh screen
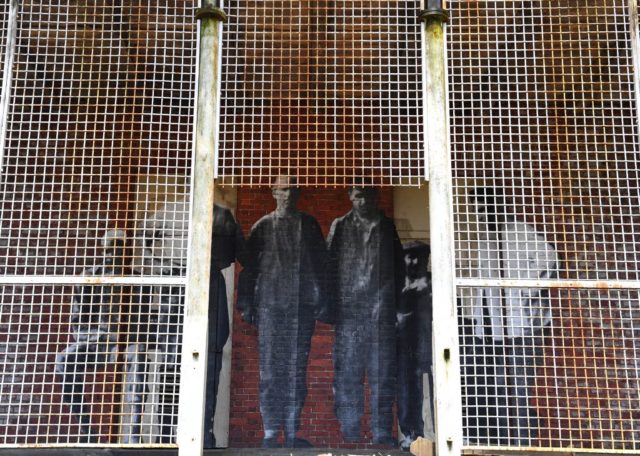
column 95, row 185
column 328, row 91
column 571, row 382
column 79, row 369
column 545, row 163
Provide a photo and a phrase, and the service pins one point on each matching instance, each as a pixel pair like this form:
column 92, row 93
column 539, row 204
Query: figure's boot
column 296, row 442
column 270, row 440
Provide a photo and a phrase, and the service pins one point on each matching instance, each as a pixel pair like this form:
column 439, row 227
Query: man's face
column 486, row 213
column 481, row 209
column 416, row 265
column 364, row 203
column 114, row 255
column 286, row 197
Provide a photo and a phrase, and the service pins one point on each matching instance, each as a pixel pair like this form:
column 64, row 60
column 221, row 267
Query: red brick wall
column 319, row 424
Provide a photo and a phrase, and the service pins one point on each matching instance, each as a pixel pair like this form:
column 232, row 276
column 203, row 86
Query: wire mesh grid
column 569, row 381
column 328, row 91
column 99, row 130
column 543, row 109
column 545, row 163
column 99, row 367
column 95, row 187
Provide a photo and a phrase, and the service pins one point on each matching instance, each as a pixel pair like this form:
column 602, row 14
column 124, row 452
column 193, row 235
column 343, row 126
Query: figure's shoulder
column 263, row 222
column 222, row 212
column 524, row 229
column 94, row 271
column 223, row 221
column 342, row 219
column 386, row 221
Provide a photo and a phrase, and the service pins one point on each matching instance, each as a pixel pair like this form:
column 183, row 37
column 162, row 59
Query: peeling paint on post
column 194, row 348
column 448, row 404
column 7, row 75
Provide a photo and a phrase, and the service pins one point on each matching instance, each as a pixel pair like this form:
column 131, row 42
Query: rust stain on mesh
column 328, row 91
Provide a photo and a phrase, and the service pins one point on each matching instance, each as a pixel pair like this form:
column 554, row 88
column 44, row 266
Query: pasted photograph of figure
column 508, row 323
column 164, row 243
column 415, row 315
column 280, row 290
column 95, row 324
column 367, row 261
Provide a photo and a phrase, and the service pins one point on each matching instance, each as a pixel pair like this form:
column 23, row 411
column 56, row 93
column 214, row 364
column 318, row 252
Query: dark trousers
column 73, row 364
column 218, row 335
column 363, row 347
column 284, row 345
column 498, row 386
column 214, row 367
column 411, row 395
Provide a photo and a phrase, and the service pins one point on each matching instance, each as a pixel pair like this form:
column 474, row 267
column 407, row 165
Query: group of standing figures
column 375, row 292
column 355, row 280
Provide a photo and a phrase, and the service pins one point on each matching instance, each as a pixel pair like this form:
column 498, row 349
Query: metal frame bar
column 446, row 359
column 91, row 280
column 532, row 283
column 7, row 75
column 195, row 329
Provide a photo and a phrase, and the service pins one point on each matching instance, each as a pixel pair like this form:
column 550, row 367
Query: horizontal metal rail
column 532, row 283
column 539, row 451
column 89, row 280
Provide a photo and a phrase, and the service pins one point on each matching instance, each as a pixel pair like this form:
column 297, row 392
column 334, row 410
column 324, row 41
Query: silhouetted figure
column 280, row 291
column 508, row 323
column 367, row 260
column 227, row 246
column 415, row 315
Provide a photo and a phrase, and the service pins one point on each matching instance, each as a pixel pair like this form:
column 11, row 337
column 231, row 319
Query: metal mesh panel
column 543, row 118
column 79, row 370
column 325, row 90
column 572, row 383
column 99, row 123
column 542, row 109
column 94, row 209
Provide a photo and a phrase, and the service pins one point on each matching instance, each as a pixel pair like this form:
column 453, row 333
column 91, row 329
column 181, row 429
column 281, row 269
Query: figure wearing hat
column 365, row 255
column 280, row 291
column 415, row 315
column 95, row 318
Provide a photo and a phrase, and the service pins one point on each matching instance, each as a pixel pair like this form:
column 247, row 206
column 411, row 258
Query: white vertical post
column 7, row 74
column 448, row 404
column 194, row 340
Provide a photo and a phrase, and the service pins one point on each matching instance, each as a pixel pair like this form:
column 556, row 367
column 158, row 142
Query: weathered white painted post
column 7, row 75
column 194, row 340
column 448, row 405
